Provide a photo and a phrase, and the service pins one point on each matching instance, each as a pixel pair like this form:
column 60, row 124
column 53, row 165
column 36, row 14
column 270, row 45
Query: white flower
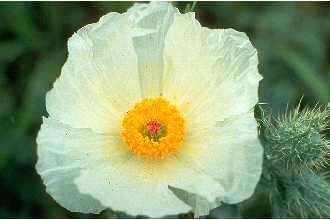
column 149, row 104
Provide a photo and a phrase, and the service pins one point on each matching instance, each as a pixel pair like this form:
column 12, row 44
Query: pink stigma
column 153, row 126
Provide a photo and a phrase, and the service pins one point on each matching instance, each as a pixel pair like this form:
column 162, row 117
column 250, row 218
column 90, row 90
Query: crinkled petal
column 209, row 74
column 62, row 153
column 155, row 17
column 140, row 187
column 212, row 76
column 231, row 153
column 99, row 80
column 86, row 172
column 124, row 188
column 200, row 205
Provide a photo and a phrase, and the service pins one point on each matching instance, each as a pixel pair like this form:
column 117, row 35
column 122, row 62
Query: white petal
column 229, row 152
column 123, row 188
column 140, row 187
column 102, row 167
column 156, row 17
column 209, row 74
column 99, row 80
column 212, row 76
column 200, row 205
column 62, row 153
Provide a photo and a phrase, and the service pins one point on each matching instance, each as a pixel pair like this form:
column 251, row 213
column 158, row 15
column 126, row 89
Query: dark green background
column 293, row 41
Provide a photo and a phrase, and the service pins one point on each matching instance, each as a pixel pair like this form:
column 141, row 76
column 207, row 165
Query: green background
column 292, row 39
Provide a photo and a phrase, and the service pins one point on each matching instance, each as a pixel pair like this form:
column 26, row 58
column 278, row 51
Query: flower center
column 153, row 128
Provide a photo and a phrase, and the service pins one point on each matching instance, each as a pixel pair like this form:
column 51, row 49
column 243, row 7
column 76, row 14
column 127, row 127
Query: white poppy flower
column 149, row 103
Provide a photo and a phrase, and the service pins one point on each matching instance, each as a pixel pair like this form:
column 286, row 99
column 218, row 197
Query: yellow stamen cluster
column 136, row 120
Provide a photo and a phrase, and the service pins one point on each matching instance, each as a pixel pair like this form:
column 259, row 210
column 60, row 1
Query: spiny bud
column 308, row 196
column 296, row 140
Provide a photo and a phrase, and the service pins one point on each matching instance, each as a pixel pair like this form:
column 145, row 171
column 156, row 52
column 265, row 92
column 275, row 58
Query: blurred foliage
column 292, row 39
